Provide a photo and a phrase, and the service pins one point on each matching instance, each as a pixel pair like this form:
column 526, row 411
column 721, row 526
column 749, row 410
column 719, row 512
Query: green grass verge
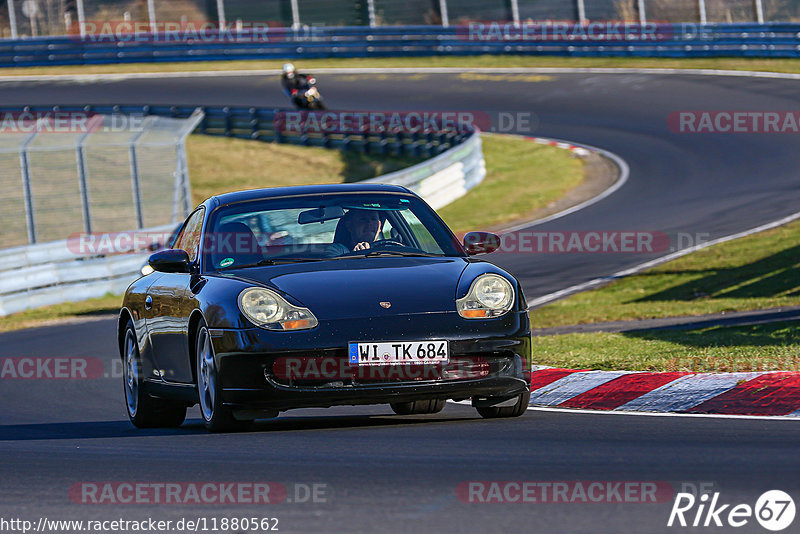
column 521, row 178
column 67, row 310
column 755, row 272
column 774, row 346
column 532, row 174
column 220, row 164
column 745, row 64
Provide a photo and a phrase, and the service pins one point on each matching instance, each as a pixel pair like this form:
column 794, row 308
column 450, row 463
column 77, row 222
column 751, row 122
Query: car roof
column 275, row 192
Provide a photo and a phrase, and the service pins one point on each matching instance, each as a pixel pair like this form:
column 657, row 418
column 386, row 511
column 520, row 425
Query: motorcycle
column 308, row 96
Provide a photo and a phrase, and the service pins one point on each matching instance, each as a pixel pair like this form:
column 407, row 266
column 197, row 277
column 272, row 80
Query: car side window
column 189, row 238
column 426, row 240
column 386, row 230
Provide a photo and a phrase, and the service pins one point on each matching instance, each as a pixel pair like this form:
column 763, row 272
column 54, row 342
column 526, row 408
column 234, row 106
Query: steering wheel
column 382, row 243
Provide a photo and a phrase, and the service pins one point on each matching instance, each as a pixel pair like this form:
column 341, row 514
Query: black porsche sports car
column 318, row 296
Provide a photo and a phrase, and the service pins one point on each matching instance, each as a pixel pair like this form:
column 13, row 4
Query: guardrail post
column 221, row 13
column 151, row 15
column 81, row 19
column 581, row 11
column 187, row 195
column 760, row 11
column 181, row 184
column 12, row 19
column 227, row 111
column 135, row 185
column 373, row 21
column 701, row 7
column 515, row 11
column 84, row 187
column 642, row 13
column 176, row 183
column 182, row 164
column 444, row 14
column 295, row 15
column 24, row 165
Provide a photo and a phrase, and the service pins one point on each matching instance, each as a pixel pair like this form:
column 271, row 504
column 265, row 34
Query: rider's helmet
column 289, row 70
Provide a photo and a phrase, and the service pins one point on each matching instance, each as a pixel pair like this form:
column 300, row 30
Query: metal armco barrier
column 50, row 273
column 776, row 39
column 443, row 179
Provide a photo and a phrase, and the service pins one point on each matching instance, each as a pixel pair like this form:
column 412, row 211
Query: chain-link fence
column 63, row 174
column 32, row 18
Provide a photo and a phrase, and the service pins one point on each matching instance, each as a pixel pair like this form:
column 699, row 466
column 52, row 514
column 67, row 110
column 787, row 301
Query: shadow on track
column 123, row 429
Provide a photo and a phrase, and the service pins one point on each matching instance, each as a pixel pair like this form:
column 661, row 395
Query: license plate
column 399, row 353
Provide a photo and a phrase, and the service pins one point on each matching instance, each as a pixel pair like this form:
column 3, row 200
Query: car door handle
column 148, row 302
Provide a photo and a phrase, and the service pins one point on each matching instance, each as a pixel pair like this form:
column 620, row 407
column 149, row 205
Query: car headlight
column 267, row 309
column 146, row 269
column 490, row 295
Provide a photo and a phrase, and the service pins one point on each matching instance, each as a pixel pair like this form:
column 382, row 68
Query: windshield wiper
column 374, row 253
column 270, row 261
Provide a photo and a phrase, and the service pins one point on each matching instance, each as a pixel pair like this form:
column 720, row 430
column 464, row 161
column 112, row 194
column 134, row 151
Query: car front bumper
column 488, row 359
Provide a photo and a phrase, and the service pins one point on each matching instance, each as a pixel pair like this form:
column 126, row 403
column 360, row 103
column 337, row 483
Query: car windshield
column 324, row 227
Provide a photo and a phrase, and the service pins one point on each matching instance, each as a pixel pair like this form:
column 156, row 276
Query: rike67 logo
column 774, row 510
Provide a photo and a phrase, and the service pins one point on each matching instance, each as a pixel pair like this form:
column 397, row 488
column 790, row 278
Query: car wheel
column 418, row 407
column 216, row 416
column 493, row 412
column 145, row 411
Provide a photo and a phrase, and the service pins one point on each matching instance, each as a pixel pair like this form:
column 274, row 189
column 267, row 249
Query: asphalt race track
column 384, row 473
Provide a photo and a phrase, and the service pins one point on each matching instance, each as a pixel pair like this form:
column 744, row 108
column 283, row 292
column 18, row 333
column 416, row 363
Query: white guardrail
column 51, row 273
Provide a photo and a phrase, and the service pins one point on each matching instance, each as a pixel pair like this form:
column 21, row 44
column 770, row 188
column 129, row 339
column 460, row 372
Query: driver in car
column 362, row 227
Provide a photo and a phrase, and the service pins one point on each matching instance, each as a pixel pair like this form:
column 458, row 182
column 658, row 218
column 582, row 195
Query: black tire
column 143, row 410
column 216, row 416
column 418, row 407
column 493, row 412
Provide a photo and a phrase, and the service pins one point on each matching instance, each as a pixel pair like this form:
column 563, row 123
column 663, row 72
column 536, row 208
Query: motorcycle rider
column 295, row 84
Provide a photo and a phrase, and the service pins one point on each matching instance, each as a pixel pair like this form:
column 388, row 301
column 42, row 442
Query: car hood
column 355, row 288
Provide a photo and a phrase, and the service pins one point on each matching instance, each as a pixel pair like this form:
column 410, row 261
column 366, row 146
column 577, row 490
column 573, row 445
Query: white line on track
column 790, row 417
column 399, row 70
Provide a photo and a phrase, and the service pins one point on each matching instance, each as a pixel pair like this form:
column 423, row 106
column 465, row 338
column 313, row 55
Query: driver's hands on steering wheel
column 380, row 243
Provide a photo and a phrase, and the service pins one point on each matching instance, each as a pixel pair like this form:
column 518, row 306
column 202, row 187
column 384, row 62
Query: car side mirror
column 170, row 261
column 481, row 243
